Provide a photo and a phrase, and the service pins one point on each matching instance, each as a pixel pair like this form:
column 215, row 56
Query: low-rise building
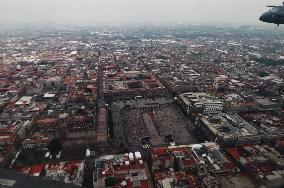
column 266, row 104
column 263, row 163
column 125, row 170
column 55, row 81
column 71, row 172
column 194, row 103
column 231, row 129
column 37, row 140
column 196, row 165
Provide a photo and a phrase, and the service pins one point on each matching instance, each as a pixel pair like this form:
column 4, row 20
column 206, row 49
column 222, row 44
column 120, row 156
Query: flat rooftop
column 11, row 179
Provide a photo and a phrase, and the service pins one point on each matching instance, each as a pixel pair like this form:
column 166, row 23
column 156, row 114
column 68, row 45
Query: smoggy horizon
column 133, row 11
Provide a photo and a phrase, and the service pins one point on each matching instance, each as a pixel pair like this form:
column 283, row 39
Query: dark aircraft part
column 274, row 15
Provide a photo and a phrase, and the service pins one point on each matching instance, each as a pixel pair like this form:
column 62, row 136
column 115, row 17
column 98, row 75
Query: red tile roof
column 36, row 169
column 234, row 153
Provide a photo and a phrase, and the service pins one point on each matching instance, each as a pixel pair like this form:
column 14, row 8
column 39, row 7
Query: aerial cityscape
column 142, row 106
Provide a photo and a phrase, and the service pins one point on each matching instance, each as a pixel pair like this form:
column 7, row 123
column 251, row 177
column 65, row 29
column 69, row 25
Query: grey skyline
column 131, row 11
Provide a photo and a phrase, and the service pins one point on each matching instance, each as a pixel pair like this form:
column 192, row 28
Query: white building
column 55, row 81
column 200, row 103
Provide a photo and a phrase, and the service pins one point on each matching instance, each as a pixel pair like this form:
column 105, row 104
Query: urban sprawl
column 159, row 106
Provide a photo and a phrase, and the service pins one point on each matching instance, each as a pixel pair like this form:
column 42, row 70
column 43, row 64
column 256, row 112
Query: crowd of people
column 134, row 126
column 167, row 118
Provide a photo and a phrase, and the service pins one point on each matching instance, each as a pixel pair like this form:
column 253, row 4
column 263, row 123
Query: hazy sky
column 127, row 11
